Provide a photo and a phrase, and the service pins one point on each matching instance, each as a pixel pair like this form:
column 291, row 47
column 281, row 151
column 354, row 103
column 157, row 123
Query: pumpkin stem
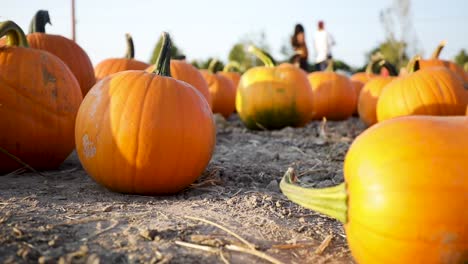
column 231, row 65
column 375, row 58
column 163, row 63
column 413, row 64
column 331, row 201
column 438, row 50
column 14, row 34
column 130, row 48
column 39, row 21
column 212, row 65
column 390, row 68
column 266, row 58
column 329, row 65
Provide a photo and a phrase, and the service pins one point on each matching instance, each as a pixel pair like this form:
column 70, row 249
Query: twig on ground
column 196, row 246
column 113, row 225
column 293, row 246
column 254, row 252
column 247, row 243
column 325, row 243
column 13, row 157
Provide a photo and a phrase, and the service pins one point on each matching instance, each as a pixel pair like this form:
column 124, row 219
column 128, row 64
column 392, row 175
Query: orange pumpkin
column 67, row 50
column 430, row 91
column 359, row 79
column 333, row 95
column 367, row 101
column 434, row 61
column 222, row 91
column 186, row 72
column 231, row 75
column 273, row 97
column 405, row 192
column 145, row 133
column 39, row 99
column 114, row 65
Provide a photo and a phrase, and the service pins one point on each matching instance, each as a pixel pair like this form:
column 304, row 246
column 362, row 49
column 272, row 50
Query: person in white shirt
column 323, row 41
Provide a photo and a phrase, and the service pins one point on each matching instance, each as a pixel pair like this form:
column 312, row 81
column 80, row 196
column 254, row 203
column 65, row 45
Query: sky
column 209, row 28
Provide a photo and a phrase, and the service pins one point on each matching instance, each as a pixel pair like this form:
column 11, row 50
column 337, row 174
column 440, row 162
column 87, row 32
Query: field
column 65, row 216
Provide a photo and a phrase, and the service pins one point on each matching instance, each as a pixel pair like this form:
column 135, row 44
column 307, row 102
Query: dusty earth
column 64, row 216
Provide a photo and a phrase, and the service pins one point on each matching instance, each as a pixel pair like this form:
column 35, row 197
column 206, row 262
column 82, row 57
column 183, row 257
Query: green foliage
column 239, row 51
column 392, row 51
column 204, row 64
column 461, row 58
column 176, row 53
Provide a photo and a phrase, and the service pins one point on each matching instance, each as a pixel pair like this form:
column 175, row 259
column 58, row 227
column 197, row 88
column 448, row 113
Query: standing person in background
column 323, row 41
column 298, row 43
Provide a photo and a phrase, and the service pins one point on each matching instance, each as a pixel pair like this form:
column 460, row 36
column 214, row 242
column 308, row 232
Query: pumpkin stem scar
column 163, row 63
column 438, row 50
column 130, row 47
column 266, row 58
column 39, row 21
column 14, row 34
column 329, row 65
column 331, row 201
column 231, row 65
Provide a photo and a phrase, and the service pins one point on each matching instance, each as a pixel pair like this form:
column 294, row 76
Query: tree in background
column 400, row 35
column 239, row 51
column 176, row 53
column 461, row 58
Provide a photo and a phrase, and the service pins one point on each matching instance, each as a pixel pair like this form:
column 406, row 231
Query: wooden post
column 73, row 20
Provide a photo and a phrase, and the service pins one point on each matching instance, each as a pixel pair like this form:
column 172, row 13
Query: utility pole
column 73, row 20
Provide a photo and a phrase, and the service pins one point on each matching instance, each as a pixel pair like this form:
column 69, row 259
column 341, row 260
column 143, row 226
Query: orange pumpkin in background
column 232, row 75
column 222, row 91
column 429, row 91
column 367, row 101
column 39, row 100
column 114, row 65
column 145, row 132
column 359, row 79
column 186, row 72
column 434, row 61
column 67, row 50
column 333, row 95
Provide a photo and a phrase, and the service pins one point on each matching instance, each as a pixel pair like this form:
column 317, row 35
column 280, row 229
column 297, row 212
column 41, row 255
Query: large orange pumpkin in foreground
column 222, row 91
column 370, row 93
column 114, row 65
column 67, row 50
column 145, row 133
column 39, row 99
column 273, row 97
column 333, row 95
column 405, row 195
column 186, row 72
column 430, row 91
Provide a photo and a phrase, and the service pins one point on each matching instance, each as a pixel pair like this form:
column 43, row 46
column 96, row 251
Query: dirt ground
column 64, row 216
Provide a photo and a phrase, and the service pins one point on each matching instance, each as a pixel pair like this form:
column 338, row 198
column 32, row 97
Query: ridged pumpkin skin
column 455, row 68
column 431, row 91
column 408, row 191
column 70, row 53
column 222, row 93
column 39, row 99
column 274, row 97
column 367, row 101
column 334, row 96
column 137, row 132
column 114, row 65
column 186, row 72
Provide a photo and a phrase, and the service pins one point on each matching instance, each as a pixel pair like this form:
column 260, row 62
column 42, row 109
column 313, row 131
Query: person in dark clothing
column 298, row 43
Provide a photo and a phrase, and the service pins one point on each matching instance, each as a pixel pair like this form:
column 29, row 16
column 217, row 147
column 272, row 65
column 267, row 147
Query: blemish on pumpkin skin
column 89, row 149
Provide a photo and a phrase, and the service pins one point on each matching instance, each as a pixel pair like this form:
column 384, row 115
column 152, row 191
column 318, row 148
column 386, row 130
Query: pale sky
column 209, row 28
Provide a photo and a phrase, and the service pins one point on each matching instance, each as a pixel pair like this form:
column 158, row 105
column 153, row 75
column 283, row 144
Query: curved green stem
column 130, row 48
column 163, row 63
column 39, row 21
column 231, row 65
column 375, row 58
column 331, row 201
column 212, row 65
column 329, row 65
column 413, row 64
column 262, row 55
column 390, row 68
column 14, row 34
column 438, row 50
